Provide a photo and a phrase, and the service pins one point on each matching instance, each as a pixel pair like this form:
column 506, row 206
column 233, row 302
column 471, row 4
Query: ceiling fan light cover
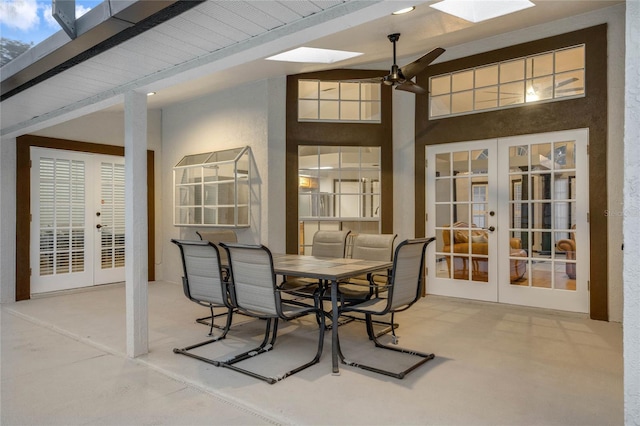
column 480, row 10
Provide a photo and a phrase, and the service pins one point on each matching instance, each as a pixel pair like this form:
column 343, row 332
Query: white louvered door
column 77, row 223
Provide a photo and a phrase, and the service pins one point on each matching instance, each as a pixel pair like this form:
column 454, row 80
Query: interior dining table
column 330, row 270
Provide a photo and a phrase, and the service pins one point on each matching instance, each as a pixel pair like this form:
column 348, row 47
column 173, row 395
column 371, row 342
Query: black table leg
column 334, row 328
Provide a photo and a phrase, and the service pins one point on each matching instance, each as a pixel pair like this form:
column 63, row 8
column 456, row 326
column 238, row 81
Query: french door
column 507, row 214
column 77, row 223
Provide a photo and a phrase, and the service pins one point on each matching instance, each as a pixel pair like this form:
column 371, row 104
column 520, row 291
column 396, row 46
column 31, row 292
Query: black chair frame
column 209, row 320
column 271, row 328
column 388, row 309
column 187, row 292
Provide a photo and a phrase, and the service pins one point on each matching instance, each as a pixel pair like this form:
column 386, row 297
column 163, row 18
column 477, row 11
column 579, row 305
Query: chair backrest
column 202, row 280
column 373, row 246
column 253, row 282
column 406, row 278
column 218, row 236
column 329, row 243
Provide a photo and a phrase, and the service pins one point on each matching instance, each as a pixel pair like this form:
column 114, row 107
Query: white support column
column 631, row 218
column 136, row 243
column 7, row 220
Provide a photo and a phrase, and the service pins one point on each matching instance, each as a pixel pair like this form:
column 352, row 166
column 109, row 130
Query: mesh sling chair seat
column 368, row 247
column 254, row 292
column 403, row 290
column 326, row 243
column 203, row 283
column 217, row 236
column 358, row 289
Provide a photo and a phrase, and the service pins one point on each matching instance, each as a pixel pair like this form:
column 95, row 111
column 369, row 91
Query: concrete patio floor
column 63, row 362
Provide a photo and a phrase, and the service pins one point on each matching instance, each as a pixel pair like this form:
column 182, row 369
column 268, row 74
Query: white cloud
column 20, row 14
column 50, row 20
column 81, row 10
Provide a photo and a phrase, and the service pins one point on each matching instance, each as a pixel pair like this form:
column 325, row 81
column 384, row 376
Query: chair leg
column 369, row 323
column 265, row 347
column 185, row 350
column 209, row 320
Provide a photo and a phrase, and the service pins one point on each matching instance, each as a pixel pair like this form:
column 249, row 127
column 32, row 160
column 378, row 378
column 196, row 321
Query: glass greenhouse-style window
column 212, row 189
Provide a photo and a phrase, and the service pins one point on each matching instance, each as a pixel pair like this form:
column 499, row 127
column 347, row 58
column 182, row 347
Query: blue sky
column 31, row 21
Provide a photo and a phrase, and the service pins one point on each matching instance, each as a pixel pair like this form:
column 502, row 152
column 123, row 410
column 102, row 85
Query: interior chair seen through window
column 203, row 282
column 403, row 290
column 254, row 292
column 568, row 245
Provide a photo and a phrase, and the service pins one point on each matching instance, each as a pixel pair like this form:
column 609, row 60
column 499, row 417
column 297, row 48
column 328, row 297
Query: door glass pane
column 461, row 215
column 479, row 162
column 443, row 190
column 443, row 165
column 541, row 274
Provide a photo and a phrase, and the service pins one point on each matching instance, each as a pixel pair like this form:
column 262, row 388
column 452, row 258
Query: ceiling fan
column 401, row 77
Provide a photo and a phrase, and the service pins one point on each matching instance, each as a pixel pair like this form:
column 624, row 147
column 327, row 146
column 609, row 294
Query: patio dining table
column 330, row 270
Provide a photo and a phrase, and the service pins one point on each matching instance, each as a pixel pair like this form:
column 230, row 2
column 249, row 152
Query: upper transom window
column 548, row 76
column 335, row 101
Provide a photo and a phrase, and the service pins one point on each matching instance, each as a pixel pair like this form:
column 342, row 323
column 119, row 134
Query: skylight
column 314, row 55
column 481, row 10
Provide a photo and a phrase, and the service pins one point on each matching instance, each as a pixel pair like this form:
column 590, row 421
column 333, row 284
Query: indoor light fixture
column 481, row 10
column 405, row 10
column 151, row 93
column 314, row 55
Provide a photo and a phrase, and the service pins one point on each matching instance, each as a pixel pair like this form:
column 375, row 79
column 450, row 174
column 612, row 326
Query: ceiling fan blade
column 411, row 70
column 567, row 81
column 410, row 86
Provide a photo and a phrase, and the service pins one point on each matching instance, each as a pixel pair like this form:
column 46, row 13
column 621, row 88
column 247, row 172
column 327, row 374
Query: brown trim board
column 586, row 112
column 23, row 200
column 336, row 134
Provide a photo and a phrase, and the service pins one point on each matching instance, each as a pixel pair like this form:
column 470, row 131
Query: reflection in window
column 338, row 101
column 338, row 188
column 542, row 77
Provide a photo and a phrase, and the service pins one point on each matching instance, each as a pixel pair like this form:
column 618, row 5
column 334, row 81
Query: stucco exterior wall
column 632, row 218
column 247, row 115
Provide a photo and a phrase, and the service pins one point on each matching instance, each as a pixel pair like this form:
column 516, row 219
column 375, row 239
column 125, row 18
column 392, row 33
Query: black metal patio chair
column 402, row 291
column 203, row 283
column 254, row 292
column 217, row 236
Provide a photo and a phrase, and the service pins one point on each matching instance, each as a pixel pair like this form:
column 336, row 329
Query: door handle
column 490, row 229
column 98, row 226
